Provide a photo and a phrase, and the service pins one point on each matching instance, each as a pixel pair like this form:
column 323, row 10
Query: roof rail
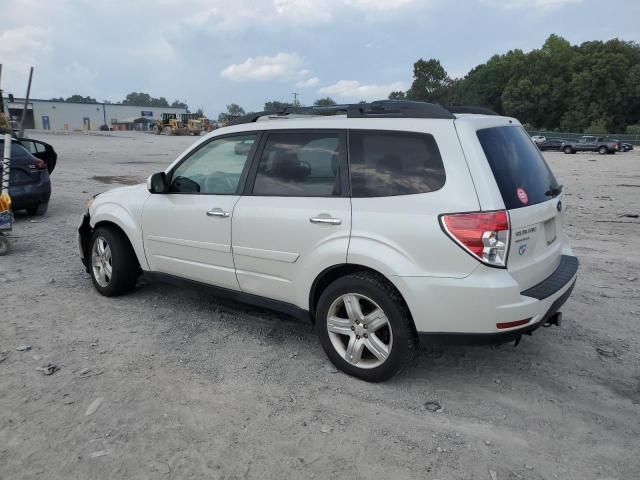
column 471, row 109
column 376, row 109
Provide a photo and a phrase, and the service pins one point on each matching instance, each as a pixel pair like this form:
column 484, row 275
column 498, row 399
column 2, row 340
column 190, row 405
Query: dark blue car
column 29, row 184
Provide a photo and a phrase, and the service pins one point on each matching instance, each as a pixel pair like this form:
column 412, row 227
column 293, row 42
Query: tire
column 393, row 338
column 567, row 150
column 120, row 260
column 4, row 245
column 38, row 210
column 603, row 150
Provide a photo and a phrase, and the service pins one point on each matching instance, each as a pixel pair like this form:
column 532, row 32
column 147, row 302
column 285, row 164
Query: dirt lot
column 192, row 387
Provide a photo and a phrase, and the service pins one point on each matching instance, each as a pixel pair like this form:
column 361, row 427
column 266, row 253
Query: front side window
column 386, row 163
column 299, row 164
column 214, row 168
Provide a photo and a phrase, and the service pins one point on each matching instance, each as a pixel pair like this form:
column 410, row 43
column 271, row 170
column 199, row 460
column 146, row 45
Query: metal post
column 26, row 104
column 6, row 165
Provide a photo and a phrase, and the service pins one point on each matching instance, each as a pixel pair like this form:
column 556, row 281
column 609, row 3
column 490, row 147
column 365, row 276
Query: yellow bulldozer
column 169, row 125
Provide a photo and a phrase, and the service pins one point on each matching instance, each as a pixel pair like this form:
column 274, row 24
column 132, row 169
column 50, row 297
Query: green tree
column 233, row 111
column 324, row 102
column 80, row 99
column 144, row 100
column 275, row 106
column 397, row 95
column 430, row 81
column 179, row 104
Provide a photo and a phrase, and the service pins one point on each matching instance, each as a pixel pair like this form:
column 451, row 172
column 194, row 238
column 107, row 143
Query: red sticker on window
column 522, row 195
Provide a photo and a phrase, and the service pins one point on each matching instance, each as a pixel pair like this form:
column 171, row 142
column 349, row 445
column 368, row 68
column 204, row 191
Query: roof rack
column 376, row 109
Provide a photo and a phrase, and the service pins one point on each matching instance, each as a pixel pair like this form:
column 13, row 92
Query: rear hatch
column 533, row 199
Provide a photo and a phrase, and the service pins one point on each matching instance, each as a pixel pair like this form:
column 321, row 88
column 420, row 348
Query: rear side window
column 385, row 163
column 299, row 164
column 522, row 175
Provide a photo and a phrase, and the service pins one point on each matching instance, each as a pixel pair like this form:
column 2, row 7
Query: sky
column 209, row 53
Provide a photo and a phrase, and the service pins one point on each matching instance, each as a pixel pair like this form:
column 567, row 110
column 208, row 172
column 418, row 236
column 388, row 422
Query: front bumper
column 468, row 310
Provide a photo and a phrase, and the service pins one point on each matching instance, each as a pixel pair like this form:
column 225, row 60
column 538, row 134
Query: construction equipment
column 208, row 125
column 169, row 125
column 192, row 122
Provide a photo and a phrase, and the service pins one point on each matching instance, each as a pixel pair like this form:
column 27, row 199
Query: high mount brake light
column 484, row 235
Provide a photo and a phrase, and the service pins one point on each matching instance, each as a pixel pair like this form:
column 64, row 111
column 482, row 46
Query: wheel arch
column 334, row 272
column 126, row 228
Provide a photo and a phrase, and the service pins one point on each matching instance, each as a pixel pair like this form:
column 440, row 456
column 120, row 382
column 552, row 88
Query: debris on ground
column 93, row 408
column 326, row 429
column 493, row 475
column 49, row 369
column 85, row 370
column 100, row 453
column 23, row 348
column 432, row 406
column 606, row 352
column 2, row 358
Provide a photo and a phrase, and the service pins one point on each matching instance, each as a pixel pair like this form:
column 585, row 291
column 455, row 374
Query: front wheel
column 114, row 266
column 603, row 150
column 365, row 327
column 567, row 150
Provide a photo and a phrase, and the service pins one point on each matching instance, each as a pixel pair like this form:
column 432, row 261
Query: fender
column 129, row 221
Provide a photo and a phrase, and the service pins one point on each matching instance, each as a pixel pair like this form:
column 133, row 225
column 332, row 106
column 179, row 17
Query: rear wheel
column 567, row 150
column 4, row 245
column 114, row 266
column 365, row 327
column 38, row 210
column 603, row 150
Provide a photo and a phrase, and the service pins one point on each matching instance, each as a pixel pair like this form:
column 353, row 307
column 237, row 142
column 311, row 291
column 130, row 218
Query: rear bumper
column 30, row 194
column 468, row 310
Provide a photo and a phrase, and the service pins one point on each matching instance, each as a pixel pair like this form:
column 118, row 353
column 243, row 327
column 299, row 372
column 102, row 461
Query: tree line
column 134, row 98
column 593, row 87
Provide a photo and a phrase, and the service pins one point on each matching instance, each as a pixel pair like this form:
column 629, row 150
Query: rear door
column 533, row 198
column 294, row 219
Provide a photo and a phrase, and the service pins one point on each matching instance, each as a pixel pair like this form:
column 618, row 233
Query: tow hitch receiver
column 555, row 319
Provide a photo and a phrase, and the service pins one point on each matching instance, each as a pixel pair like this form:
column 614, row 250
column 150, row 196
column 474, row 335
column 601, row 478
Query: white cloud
column 283, row 66
column 531, row 4
column 380, row 4
column 359, row 91
column 24, row 43
column 309, row 82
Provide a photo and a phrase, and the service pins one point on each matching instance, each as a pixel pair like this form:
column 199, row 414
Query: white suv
column 383, row 224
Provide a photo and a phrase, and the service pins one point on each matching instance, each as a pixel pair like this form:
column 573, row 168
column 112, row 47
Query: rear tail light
column 484, row 235
column 37, row 165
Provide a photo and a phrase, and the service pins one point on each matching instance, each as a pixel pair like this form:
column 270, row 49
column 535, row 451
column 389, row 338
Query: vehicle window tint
column 386, row 164
column 521, row 173
column 299, row 164
column 17, row 150
column 215, row 168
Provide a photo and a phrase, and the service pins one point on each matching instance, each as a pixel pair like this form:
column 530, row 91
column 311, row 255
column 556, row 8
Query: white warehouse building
column 57, row 115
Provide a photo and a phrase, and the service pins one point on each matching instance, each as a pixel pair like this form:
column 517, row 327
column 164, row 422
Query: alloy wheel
column 359, row 330
column 101, row 261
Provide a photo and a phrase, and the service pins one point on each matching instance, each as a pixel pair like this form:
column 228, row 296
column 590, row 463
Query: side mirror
column 157, row 183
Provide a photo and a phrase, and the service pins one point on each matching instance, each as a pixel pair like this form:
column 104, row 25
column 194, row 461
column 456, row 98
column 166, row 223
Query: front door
column 295, row 219
column 187, row 232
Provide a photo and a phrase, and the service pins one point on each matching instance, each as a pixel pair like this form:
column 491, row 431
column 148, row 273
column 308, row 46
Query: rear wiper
column 554, row 191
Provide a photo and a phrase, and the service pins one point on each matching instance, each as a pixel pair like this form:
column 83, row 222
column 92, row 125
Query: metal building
column 57, row 115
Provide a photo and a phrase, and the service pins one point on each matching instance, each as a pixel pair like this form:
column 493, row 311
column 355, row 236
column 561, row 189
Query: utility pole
column 295, row 99
column 26, row 104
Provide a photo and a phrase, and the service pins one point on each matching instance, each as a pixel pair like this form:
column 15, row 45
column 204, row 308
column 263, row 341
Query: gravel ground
column 188, row 386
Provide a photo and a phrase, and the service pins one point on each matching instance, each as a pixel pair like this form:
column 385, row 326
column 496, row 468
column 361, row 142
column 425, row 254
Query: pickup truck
column 589, row 143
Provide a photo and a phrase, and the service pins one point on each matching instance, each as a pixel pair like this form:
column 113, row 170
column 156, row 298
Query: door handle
column 217, row 212
column 326, row 220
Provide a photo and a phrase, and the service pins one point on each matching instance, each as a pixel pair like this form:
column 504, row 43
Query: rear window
column 17, row 150
column 521, row 173
column 385, row 163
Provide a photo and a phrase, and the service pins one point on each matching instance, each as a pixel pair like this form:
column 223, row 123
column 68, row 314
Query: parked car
column 538, row 139
column 552, row 144
column 29, row 183
column 624, row 146
column 41, row 150
column 395, row 224
column 589, row 143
